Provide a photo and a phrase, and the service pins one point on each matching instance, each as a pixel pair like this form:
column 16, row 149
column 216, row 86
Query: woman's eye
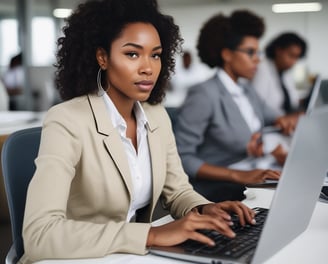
column 157, row 55
column 132, row 54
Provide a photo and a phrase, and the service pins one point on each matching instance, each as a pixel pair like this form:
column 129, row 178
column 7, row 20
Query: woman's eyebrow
column 139, row 46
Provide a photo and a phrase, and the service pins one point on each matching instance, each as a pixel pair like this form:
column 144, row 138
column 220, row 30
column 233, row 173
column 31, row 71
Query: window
column 8, row 40
column 43, row 41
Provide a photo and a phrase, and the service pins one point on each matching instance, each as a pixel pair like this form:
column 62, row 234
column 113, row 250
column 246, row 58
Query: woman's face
column 242, row 61
column 134, row 63
column 285, row 58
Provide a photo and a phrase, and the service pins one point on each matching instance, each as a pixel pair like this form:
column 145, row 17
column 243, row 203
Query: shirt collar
column 118, row 121
column 140, row 114
column 233, row 88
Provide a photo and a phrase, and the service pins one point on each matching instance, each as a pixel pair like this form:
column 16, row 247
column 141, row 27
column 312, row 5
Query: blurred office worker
column 4, row 99
column 219, row 122
column 14, row 82
column 274, row 81
column 187, row 73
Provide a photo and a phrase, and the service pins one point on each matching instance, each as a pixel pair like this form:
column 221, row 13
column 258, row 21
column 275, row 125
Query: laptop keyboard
column 246, row 238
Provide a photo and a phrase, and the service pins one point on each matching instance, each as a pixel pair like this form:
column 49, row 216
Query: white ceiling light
column 297, row 7
column 62, row 12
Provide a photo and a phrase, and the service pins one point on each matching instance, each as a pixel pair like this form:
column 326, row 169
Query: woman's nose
column 146, row 67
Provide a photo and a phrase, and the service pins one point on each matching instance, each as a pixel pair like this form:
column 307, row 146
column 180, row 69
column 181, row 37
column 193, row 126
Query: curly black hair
column 285, row 40
column 96, row 24
column 220, row 32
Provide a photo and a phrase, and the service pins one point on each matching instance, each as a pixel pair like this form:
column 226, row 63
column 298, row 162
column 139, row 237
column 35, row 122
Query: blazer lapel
column 250, row 95
column 156, row 155
column 113, row 141
column 231, row 110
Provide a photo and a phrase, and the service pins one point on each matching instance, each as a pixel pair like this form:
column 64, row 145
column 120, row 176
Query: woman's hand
column 186, row 228
column 288, row 122
column 254, row 176
column 214, row 217
column 255, row 145
column 224, row 209
column 280, row 154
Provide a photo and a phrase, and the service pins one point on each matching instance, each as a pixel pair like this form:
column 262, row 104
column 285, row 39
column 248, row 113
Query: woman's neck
column 124, row 107
column 231, row 74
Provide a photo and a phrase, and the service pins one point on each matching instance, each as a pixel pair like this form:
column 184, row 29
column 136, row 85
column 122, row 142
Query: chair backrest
column 18, row 154
column 173, row 114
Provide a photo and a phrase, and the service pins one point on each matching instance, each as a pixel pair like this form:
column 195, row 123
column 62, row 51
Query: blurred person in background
column 187, row 73
column 220, row 120
column 4, row 99
column 274, row 80
column 14, row 82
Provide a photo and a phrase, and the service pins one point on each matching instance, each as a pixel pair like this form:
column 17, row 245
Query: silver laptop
column 294, row 199
column 315, row 98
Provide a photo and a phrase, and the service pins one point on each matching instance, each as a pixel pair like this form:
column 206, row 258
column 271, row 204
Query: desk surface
column 11, row 121
column 309, row 247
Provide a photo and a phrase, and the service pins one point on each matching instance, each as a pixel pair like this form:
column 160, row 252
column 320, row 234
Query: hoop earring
column 101, row 90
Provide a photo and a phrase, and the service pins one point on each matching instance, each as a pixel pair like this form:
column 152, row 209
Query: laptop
column 315, row 95
column 293, row 202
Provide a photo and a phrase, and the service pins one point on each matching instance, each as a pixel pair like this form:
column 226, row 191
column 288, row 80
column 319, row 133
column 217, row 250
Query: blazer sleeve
column 47, row 231
column 179, row 195
column 193, row 119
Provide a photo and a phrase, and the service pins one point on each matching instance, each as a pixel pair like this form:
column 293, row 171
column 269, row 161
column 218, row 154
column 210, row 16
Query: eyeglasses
column 250, row 52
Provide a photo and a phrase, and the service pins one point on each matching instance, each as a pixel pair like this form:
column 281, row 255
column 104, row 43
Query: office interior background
column 30, row 27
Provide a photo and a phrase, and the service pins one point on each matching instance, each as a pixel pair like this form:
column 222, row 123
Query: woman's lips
column 145, row 85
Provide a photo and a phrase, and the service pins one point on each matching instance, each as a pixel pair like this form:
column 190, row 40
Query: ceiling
column 7, row 7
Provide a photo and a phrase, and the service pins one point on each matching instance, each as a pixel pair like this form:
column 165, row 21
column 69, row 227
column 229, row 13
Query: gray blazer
column 210, row 128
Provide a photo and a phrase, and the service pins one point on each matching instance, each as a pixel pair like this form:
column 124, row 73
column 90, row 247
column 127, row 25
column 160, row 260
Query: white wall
column 312, row 26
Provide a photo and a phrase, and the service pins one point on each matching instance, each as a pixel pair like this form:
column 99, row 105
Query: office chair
column 173, row 114
column 18, row 154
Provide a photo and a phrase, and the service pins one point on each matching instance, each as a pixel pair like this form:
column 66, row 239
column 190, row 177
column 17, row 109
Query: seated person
column 273, row 80
column 219, row 122
column 107, row 153
column 14, row 82
column 4, row 99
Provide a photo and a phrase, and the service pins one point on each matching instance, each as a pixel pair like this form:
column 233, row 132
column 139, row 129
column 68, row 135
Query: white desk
column 309, row 247
column 11, row 121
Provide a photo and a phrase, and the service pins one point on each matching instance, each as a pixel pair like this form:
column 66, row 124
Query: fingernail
column 253, row 221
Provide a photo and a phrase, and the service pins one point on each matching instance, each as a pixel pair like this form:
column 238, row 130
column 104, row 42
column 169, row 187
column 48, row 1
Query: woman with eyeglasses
column 220, row 120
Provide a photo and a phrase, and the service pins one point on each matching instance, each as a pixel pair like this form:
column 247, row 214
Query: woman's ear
column 226, row 55
column 102, row 58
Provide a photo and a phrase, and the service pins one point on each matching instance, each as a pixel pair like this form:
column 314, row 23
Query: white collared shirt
column 139, row 162
column 238, row 95
column 267, row 84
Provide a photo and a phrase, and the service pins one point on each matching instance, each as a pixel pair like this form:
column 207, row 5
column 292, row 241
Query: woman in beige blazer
column 107, row 155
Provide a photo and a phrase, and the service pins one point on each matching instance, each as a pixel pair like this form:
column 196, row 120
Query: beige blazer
column 78, row 199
